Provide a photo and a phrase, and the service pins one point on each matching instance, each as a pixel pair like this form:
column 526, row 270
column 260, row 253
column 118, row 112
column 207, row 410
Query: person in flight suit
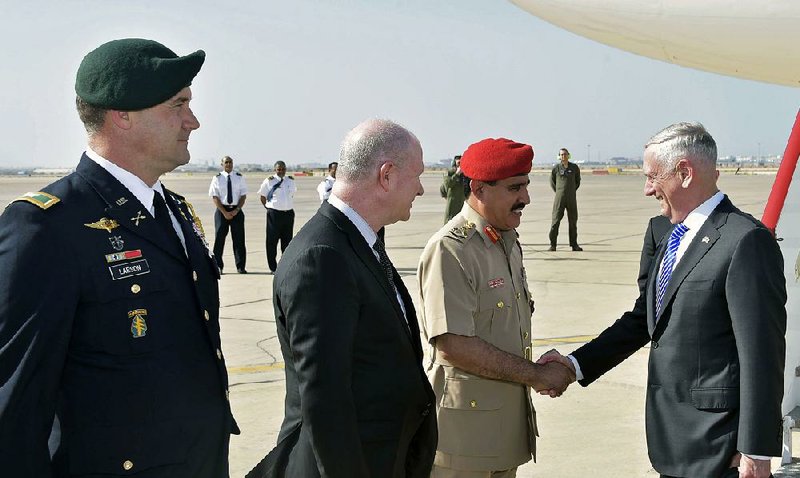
column 326, row 185
column 277, row 196
column 565, row 179
column 228, row 190
column 452, row 189
column 109, row 303
column 476, row 314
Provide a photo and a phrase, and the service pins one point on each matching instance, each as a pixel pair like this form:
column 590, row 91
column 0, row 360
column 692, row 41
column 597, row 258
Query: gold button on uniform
column 127, row 465
column 135, row 288
column 500, row 304
column 194, row 275
column 219, row 354
column 473, row 403
column 206, row 316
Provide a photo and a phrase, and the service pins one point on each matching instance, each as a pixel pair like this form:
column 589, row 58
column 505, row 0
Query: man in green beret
column 110, row 355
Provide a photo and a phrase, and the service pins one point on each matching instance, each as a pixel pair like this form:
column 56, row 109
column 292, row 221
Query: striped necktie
column 669, row 263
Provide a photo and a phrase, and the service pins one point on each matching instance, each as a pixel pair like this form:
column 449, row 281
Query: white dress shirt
column 283, row 197
column 138, row 188
column 219, row 187
column 325, row 187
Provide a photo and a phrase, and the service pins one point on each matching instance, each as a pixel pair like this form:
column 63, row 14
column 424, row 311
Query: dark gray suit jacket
column 358, row 403
column 715, row 378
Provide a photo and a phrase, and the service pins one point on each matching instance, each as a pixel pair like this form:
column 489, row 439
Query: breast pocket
column 126, row 316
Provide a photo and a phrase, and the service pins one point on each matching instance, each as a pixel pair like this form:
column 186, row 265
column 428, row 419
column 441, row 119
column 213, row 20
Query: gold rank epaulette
column 271, row 177
column 40, row 199
column 463, row 231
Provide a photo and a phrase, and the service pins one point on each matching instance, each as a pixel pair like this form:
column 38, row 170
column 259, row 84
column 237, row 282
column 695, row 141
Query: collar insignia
column 491, row 233
column 705, row 240
column 138, row 218
column 103, row 223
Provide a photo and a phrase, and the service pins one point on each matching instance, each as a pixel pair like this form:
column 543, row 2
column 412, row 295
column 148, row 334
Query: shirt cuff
column 578, row 373
column 757, row 457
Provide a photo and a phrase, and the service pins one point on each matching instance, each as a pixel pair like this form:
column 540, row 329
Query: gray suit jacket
column 715, row 377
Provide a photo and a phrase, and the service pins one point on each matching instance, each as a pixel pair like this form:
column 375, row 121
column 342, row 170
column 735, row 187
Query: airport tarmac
column 596, row 431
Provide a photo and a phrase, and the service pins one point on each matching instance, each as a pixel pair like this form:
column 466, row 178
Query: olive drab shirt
column 473, row 283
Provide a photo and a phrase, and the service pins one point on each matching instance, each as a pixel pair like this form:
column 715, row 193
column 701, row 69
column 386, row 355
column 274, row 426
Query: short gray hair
column 682, row 140
column 367, row 145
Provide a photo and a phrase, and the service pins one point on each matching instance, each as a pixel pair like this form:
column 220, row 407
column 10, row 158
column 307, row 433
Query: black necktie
column 162, row 216
column 386, row 264
column 229, row 197
column 271, row 192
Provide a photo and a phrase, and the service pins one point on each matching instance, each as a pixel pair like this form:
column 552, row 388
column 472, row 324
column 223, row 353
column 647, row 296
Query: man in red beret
column 476, row 314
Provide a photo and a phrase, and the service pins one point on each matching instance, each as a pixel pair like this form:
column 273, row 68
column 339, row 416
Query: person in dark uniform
column 453, row 189
column 565, row 179
column 110, row 355
column 229, row 192
column 277, row 196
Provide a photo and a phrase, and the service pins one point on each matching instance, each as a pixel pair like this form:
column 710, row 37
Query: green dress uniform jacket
column 109, row 337
column 474, row 285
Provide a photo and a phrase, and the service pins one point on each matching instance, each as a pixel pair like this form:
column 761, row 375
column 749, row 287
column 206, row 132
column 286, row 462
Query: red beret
column 492, row 159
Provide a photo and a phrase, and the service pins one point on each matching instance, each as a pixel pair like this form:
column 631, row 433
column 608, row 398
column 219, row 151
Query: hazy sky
column 286, row 80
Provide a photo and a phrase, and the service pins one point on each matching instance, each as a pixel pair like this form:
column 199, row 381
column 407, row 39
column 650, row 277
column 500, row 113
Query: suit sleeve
column 755, row 289
column 320, row 301
column 629, row 333
column 38, row 298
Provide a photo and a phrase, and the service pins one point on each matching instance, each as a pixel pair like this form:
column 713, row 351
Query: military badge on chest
column 138, row 323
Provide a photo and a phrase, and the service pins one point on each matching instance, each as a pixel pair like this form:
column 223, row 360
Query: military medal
column 138, row 323
column 103, row 223
column 121, row 256
column 495, row 283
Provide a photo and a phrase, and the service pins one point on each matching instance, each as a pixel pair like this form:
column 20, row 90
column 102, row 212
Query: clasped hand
column 556, row 374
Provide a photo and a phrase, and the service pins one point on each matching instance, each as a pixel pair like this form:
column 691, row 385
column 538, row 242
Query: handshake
column 554, row 373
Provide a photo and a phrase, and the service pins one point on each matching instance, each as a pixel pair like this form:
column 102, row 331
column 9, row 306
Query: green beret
column 133, row 74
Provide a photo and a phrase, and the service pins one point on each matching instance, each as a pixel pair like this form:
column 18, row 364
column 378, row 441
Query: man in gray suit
column 714, row 314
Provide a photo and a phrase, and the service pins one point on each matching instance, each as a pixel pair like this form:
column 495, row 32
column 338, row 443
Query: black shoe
column 241, row 271
column 577, row 248
column 552, row 248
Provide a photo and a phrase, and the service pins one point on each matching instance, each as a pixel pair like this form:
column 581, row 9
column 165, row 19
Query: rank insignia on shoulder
column 40, row 199
column 103, row 223
column 491, row 233
column 271, row 177
column 462, row 231
column 290, row 177
column 138, row 323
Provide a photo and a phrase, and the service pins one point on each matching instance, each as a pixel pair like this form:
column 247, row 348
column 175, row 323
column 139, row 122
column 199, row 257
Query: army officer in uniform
column 476, row 314
column 109, row 306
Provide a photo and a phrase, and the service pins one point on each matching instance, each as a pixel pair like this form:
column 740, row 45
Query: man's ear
column 386, row 174
column 121, row 119
column 685, row 171
column 476, row 188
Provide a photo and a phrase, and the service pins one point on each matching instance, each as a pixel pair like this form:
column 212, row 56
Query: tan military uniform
column 473, row 283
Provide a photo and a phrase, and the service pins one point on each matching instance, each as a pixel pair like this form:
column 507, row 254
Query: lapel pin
column 116, row 242
column 705, row 240
column 138, row 218
column 121, row 201
column 103, row 223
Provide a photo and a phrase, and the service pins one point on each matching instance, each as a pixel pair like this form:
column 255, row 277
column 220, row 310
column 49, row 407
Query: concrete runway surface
column 596, row 431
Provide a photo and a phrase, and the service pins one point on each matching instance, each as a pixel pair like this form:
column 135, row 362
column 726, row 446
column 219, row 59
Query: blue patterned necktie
column 669, row 263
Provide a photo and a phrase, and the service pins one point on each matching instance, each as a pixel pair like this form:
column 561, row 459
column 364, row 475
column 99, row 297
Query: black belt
column 229, row 208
